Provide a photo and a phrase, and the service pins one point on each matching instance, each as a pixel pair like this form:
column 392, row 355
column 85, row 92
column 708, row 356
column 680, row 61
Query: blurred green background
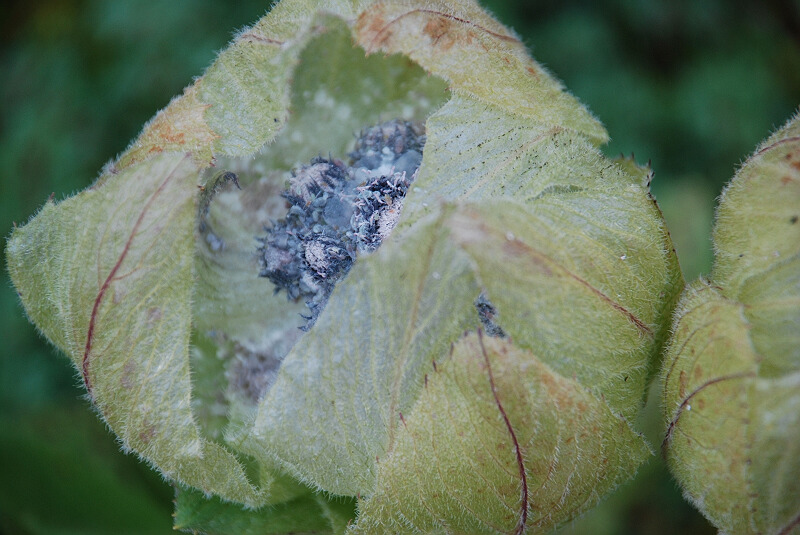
column 691, row 86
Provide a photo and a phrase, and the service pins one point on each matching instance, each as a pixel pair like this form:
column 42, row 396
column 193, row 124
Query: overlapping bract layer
column 512, row 200
column 732, row 374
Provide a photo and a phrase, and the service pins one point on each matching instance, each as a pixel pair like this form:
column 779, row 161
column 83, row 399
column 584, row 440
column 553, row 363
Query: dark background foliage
column 691, row 86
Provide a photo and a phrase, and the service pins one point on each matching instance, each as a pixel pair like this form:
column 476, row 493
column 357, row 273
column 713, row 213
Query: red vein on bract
column 107, row 283
column 777, row 143
column 433, row 12
column 532, row 251
column 523, row 517
column 684, row 315
column 616, row 306
column 790, row 526
column 252, row 37
column 688, row 398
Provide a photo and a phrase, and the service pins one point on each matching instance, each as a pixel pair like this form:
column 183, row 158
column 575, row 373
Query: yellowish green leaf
column 731, row 377
column 333, row 410
column 107, row 276
column 444, row 37
column 498, row 443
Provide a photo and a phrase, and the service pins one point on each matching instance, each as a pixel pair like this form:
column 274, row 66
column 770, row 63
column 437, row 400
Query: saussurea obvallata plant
column 369, row 273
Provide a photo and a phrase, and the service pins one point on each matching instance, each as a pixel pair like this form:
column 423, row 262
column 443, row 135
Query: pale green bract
column 394, row 402
column 731, row 377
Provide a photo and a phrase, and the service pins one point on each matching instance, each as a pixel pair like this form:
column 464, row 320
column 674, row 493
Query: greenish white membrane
column 243, row 326
column 334, row 213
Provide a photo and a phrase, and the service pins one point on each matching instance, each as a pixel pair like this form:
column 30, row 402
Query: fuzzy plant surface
column 368, row 274
column 731, row 376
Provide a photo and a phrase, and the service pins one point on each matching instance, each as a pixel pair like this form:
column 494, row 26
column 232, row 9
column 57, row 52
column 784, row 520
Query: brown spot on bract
column 376, row 24
column 153, row 315
column 548, row 381
column 147, row 434
column 436, row 27
column 441, row 32
column 128, row 370
column 470, row 37
column 682, row 379
column 166, row 133
column 373, row 30
column 516, row 248
column 698, row 372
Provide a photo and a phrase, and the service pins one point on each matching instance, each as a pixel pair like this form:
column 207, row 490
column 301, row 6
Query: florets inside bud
column 337, row 211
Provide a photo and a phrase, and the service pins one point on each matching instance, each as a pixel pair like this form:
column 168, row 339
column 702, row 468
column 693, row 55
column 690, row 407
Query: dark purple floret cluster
column 337, row 211
column 487, row 313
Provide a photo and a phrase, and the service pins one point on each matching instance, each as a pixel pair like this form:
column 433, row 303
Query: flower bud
column 394, row 256
column 731, row 377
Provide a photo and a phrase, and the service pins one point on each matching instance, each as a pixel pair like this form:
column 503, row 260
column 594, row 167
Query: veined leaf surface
column 149, row 280
column 731, row 378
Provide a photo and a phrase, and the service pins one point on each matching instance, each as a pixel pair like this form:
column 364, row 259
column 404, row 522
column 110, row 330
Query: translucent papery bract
column 732, row 373
column 495, row 444
column 153, row 272
column 107, row 276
